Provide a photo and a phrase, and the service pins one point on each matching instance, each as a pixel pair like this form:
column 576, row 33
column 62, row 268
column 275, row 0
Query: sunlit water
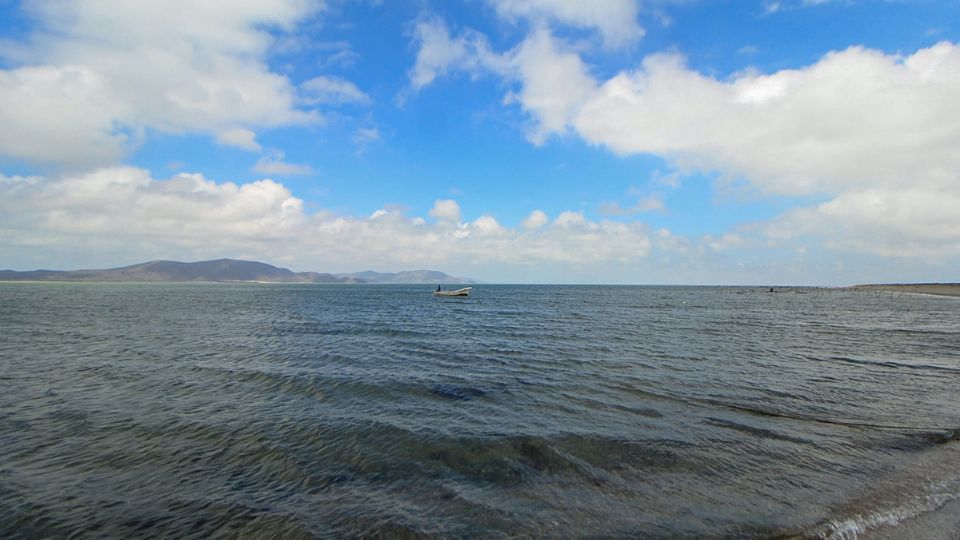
column 303, row 410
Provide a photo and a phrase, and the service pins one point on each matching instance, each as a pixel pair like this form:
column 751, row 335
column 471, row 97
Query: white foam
column 853, row 527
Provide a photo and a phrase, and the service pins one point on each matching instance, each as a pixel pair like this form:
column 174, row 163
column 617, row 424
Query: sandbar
column 941, row 289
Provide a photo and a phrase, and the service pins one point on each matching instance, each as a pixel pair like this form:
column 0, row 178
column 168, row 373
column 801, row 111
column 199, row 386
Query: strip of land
column 942, row 289
column 225, row 270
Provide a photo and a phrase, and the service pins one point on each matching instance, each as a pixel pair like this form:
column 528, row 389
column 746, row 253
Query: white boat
column 459, row 292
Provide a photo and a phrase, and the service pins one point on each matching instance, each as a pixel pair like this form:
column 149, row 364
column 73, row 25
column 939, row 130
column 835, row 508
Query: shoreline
column 942, row 523
column 938, row 289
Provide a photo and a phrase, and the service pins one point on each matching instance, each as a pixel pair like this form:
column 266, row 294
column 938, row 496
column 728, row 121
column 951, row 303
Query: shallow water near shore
column 193, row 410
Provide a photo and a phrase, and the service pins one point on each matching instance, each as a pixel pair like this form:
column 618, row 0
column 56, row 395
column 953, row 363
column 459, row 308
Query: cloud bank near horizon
column 125, row 212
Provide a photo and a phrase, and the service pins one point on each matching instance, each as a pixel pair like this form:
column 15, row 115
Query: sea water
column 197, row 410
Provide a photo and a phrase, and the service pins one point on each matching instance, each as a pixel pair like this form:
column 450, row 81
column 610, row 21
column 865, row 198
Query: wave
column 852, row 527
column 885, row 363
column 755, row 431
column 909, row 499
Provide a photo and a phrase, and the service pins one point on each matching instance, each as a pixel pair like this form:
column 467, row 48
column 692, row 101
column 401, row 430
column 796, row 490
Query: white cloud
column 97, row 72
column 575, row 240
column 59, row 113
column 615, row 20
column 769, row 8
column 669, row 242
column 274, row 163
column 438, row 53
column 446, row 210
column 890, row 222
column 570, row 218
column 855, row 118
column 875, row 132
column 535, row 220
column 363, row 136
column 488, row 226
column 239, row 137
column 124, row 215
column 555, row 84
column 723, row 242
column 645, row 203
column 332, row 90
column 857, row 121
column 666, row 179
column 125, row 208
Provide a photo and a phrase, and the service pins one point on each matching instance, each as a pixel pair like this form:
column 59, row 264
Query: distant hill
column 410, row 276
column 173, row 271
column 221, row 270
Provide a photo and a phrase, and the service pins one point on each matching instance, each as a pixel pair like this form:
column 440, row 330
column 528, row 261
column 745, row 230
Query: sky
column 804, row 142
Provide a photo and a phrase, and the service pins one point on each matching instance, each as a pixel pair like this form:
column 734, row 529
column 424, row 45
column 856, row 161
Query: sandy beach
column 941, row 289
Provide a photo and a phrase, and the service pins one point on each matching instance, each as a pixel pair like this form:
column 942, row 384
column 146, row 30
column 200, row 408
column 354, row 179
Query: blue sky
column 625, row 141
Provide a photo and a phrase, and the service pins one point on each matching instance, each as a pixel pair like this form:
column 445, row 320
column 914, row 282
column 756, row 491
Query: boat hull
column 459, row 292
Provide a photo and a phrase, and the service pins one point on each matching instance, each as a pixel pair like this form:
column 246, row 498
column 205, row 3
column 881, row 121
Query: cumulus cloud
column 535, row 220
column 723, row 242
column 124, row 208
column 890, row 222
column 488, row 226
column 239, row 137
column 538, row 61
column 124, row 214
column 573, row 239
column 670, row 242
column 446, row 210
column 615, row 20
column 438, row 53
column 856, row 125
column 59, row 113
column 875, row 133
column 554, row 81
column 855, row 118
column 554, row 84
column 96, row 73
column 570, row 218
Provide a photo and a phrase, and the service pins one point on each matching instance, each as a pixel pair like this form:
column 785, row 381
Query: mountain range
column 226, row 270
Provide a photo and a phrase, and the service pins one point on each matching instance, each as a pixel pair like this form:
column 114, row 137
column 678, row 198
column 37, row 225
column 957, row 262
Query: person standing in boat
column 438, row 288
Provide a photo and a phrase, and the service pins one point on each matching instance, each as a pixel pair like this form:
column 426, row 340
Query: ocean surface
column 299, row 411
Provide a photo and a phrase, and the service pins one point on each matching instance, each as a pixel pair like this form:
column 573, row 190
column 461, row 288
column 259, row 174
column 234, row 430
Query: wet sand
column 941, row 289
